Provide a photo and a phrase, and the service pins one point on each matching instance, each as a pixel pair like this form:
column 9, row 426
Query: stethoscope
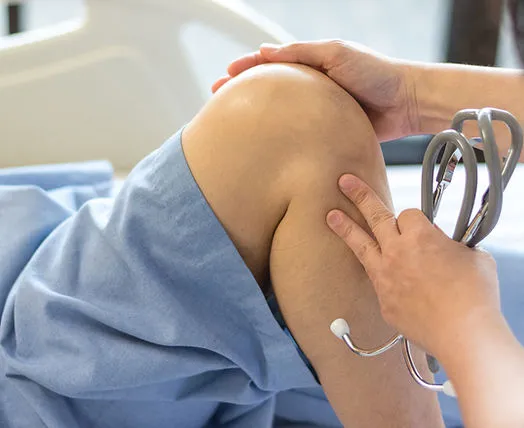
column 468, row 230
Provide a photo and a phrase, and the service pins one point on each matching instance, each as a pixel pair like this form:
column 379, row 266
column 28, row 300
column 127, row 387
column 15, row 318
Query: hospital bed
column 117, row 81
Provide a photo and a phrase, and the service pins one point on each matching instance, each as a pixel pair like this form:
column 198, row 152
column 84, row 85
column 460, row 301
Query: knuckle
column 376, row 218
column 365, row 248
column 336, row 43
column 293, row 45
column 336, row 50
column 379, row 217
column 347, row 230
column 361, row 197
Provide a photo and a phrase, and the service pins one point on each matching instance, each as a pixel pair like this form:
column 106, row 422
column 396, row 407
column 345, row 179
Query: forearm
column 486, row 366
column 440, row 90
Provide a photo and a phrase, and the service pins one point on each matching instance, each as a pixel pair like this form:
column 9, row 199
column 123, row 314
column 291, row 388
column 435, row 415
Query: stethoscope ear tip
column 448, row 389
column 339, row 328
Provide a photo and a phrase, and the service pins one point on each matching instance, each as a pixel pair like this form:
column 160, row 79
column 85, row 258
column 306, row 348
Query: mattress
column 405, row 183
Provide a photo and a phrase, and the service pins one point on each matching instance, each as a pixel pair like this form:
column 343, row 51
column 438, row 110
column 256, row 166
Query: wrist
column 431, row 104
column 474, row 333
column 485, row 370
column 411, row 78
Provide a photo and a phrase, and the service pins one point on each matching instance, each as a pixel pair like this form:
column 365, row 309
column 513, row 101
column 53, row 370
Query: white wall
column 411, row 29
column 41, row 13
column 3, row 21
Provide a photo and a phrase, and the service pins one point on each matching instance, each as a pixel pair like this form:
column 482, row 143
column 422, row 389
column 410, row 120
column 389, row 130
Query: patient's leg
column 267, row 152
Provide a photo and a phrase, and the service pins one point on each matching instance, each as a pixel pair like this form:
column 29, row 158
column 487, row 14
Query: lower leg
column 267, row 152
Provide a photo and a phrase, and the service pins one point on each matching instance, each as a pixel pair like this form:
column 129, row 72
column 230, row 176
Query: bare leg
column 267, row 152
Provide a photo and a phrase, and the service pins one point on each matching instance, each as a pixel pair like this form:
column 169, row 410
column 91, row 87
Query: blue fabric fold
column 136, row 310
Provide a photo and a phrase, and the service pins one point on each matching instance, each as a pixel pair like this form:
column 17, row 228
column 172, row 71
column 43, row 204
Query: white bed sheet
column 405, row 183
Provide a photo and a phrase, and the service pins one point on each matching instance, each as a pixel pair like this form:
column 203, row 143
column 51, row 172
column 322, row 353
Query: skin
column 447, row 303
column 400, row 97
column 435, row 291
column 267, row 151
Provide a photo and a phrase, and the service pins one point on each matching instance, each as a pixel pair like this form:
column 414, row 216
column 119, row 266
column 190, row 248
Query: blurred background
column 460, row 31
column 469, row 31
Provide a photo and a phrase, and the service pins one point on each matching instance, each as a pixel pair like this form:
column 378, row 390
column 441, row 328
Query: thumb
column 319, row 54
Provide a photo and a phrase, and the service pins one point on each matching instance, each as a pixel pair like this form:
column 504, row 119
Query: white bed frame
column 113, row 85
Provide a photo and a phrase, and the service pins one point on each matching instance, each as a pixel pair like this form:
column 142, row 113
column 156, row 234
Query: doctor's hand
column 432, row 289
column 383, row 86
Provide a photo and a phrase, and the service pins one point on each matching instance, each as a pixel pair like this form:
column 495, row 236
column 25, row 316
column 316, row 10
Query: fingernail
column 269, row 47
column 347, row 182
column 334, row 218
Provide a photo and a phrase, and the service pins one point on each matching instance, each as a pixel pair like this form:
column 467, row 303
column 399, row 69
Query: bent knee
column 288, row 109
column 294, row 94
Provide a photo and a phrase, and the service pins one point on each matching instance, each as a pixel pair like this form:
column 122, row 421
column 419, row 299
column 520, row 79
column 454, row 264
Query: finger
column 219, row 83
column 413, row 219
column 380, row 219
column 318, row 54
column 245, row 62
column 364, row 246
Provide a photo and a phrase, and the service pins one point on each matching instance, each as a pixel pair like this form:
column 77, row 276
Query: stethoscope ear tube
column 452, row 140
